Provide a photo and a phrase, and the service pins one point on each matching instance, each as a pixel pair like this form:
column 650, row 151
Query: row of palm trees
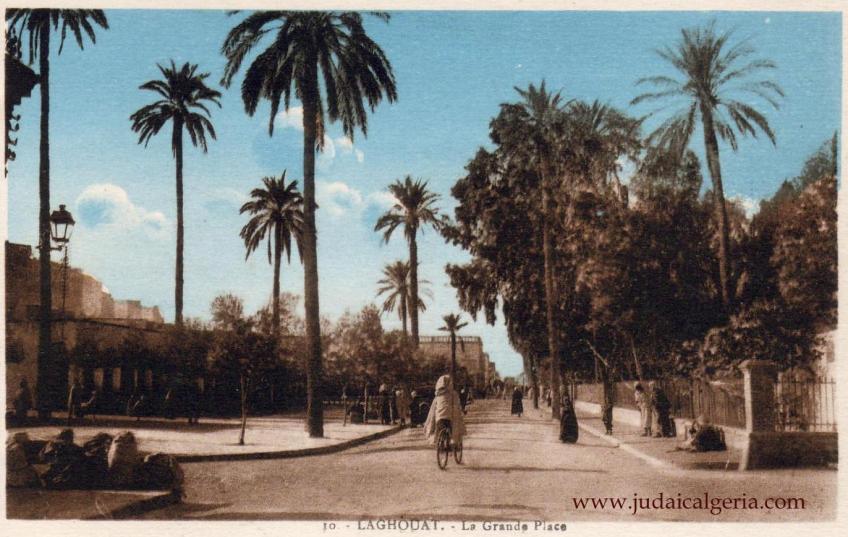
column 335, row 70
column 326, row 59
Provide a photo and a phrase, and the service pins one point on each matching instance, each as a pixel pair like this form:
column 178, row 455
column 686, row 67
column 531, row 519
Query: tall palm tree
column 396, row 283
column 184, row 96
column 541, row 112
column 415, row 207
column 453, row 325
column 308, row 48
column 38, row 23
column 714, row 76
column 277, row 211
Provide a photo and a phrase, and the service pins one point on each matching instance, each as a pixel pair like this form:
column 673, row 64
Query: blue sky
column 453, row 70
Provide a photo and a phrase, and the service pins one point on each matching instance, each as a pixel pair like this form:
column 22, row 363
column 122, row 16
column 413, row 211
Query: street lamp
column 61, row 228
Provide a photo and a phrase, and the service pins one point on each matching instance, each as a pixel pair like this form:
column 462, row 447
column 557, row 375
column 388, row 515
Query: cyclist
column 446, row 411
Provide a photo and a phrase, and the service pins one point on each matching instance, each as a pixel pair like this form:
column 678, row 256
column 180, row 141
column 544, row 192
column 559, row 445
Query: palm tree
column 452, row 326
column 277, row 210
column 184, row 93
column 414, row 208
column 396, row 284
column 311, row 47
column 712, row 82
column 38, row 23
column 541, row 112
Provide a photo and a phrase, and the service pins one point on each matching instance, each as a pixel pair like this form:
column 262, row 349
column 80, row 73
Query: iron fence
column 805, row 405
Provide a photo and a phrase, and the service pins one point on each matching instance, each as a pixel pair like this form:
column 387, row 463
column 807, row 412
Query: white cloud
column 105, row 206
column 383, row 200
column 345, row 144
column 291, row 118
column 337, row 198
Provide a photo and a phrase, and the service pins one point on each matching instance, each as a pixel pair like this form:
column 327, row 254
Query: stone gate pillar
column 760, row 377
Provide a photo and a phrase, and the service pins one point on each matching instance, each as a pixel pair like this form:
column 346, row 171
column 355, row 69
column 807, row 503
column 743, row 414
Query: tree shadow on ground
column 528, row 469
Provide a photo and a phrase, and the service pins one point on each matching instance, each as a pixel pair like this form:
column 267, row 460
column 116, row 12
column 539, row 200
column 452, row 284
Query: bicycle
column 444, row 447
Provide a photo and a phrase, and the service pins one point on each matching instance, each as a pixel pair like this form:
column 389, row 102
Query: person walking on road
column 643, row 402
column 403, row 402
column 517, row 403
column 568, row 431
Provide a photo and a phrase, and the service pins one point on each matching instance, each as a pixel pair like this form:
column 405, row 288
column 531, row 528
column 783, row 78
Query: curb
column 141, row 506
column 615, row 442
column 288, row 454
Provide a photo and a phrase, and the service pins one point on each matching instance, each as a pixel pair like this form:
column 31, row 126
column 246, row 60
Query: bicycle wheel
column 443, row 448
column 457, row 452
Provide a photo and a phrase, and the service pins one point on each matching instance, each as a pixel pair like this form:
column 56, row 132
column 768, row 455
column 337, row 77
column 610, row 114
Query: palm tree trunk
column 275, row 307
column 403, row 311
column 413, row 288
column 314, row 409
column 550, row 298
column 178, row 286
column 243, row 386
column 714, row 166
column 453, row 358
column 44, row 367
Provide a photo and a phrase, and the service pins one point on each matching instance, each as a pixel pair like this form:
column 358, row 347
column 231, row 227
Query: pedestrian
column 192, row 402
column 517, row 403
column 663, row 424
column 74, row 399
column 606, row 410
column 643, row 402
column 463, row 398
column 403, row 401
column 568, row 431
column 385, row 405
column 23, row 402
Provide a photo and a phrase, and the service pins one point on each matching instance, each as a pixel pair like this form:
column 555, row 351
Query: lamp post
column 61, row 228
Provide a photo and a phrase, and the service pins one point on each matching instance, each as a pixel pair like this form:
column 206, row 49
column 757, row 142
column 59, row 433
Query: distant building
column 85, row 297
column 83, row 310
column 469, row 355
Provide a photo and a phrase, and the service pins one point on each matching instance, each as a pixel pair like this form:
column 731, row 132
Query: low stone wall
column 790, row 450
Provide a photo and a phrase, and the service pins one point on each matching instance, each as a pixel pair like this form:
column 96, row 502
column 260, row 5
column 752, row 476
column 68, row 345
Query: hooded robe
column 445, row 406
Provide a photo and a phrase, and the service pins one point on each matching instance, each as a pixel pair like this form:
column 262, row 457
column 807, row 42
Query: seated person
column 89, row 406
column 446, row 411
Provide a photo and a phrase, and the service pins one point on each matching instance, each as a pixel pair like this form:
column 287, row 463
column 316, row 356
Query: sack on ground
column 123, row 459
column 65, row 463
column 161, row 471
column 19, row 472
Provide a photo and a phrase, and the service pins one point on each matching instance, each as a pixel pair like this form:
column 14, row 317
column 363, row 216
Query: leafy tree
column 184, row 96
column 311, row 47
column 713, row 80
column 227, row 311
column 540, row 115
column 805, row 254
column 276, row 211
column 415, row 207
column 238, row 350
column 395, row 284
column 38, row 24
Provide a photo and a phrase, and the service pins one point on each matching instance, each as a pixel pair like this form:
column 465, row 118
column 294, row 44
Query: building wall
column 85, row 296
column 469, row 354
column 22, row 345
